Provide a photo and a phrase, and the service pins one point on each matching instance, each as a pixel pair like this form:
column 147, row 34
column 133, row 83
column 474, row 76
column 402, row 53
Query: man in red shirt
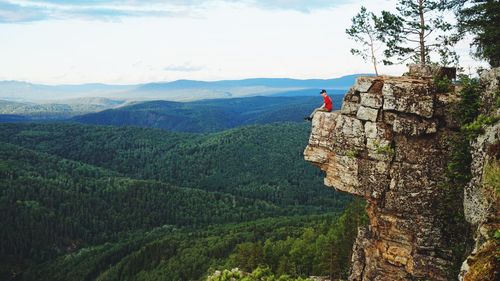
column 327, row 105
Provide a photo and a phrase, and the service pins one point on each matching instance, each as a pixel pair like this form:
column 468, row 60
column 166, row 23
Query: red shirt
column 328, row 103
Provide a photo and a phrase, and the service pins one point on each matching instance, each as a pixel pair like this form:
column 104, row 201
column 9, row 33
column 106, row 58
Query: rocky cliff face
column 482, row 198
column 388, row 144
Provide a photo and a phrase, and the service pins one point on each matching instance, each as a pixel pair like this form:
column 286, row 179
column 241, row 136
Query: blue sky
column 121, row 42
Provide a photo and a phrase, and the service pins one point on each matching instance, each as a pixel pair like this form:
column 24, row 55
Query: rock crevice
column 481, row 196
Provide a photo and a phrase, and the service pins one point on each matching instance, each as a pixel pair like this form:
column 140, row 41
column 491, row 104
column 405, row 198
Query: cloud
column 185, row 67
column 297, row 5
column 27, row 11
column 16, row 13
column 13, row 11
column 282, row 4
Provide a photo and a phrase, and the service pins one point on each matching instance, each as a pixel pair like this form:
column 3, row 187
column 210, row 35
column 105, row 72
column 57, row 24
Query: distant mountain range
column 21, row 101
column 180, row 90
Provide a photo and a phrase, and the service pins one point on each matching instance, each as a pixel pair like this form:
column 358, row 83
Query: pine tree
column 363, row 30
column 482, row 19
column 417, row 30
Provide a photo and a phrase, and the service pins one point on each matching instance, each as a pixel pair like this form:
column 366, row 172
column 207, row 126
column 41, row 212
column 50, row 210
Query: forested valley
column 86, row 202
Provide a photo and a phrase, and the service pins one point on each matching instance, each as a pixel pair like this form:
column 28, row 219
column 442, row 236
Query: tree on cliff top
column 364, row 31
column 482, row 19
column 416, row 31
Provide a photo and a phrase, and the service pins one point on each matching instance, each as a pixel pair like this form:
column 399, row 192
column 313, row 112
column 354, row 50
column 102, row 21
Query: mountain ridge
column 208, row 115
column 174, row 90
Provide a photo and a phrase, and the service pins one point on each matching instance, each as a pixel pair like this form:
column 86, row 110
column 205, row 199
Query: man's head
column 323, row 92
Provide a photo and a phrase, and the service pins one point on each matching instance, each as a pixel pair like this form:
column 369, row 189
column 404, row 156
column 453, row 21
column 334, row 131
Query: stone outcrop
column 388, row 145
column 481, row 200
column 431, row 71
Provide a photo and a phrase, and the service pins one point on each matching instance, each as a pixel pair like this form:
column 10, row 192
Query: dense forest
column 294, row 246
column 103, row 194
column 259, row 162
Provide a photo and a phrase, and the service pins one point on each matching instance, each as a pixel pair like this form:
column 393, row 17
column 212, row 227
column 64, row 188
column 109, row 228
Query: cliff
column 390, row 144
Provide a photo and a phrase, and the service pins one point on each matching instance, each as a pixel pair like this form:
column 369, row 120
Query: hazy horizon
column 181, row 79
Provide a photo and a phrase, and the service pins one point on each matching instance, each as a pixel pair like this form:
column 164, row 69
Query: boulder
column 431, row 71
column 409, row 97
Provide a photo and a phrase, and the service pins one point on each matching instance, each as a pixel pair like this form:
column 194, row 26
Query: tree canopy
column 416, row 31
column 421, row 31
column 481, row 18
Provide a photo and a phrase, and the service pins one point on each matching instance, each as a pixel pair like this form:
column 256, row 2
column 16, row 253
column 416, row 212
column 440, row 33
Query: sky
column 140, row 41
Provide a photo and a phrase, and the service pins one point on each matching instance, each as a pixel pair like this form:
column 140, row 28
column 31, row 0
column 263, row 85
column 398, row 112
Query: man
column 327, row 105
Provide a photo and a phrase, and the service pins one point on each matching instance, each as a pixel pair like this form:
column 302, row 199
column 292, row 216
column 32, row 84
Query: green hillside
column 209, row 115
column 77, row 200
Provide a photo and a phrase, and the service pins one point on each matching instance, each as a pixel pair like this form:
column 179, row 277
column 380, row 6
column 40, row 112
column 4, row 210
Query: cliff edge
column 390, row 145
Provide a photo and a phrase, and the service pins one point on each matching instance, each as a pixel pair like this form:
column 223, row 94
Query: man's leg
column 312, row 114
column 316, row 110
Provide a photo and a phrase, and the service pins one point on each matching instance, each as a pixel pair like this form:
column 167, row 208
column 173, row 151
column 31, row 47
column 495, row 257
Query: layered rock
column 388, row 145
